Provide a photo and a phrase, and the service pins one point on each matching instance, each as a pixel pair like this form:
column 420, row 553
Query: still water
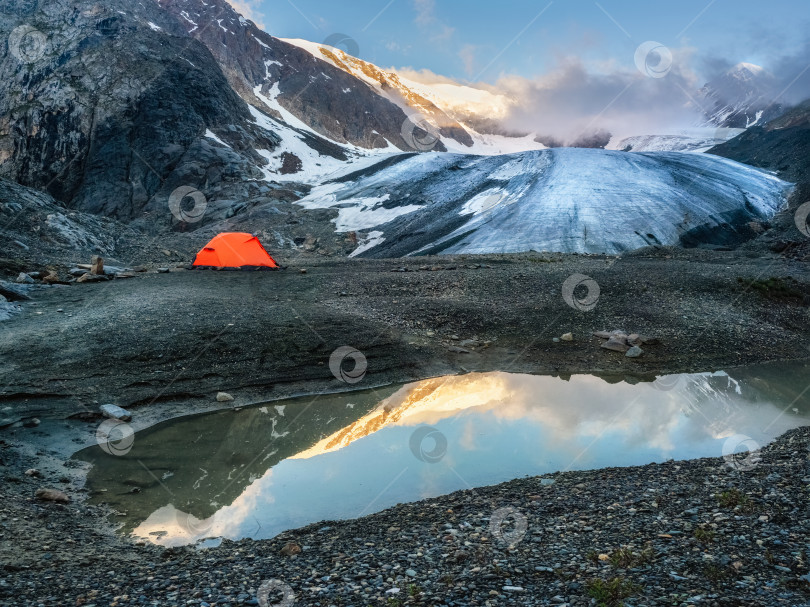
column 265, row 469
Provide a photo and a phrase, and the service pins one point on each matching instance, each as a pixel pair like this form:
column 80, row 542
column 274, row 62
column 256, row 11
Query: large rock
column 97, row 265
column 115, row 412
column 617, row 343
column 47, row 494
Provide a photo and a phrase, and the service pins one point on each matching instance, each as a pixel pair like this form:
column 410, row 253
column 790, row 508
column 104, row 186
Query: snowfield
column 566, row 199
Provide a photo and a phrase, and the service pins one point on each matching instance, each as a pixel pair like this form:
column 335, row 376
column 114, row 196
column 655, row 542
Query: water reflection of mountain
column 198, row 464
column 204, row 465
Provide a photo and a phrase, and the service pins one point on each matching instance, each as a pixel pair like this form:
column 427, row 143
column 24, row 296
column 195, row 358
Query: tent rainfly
column 234, row 250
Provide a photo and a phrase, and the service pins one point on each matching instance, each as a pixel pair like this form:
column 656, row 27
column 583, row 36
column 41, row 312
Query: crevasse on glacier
column 564, row 199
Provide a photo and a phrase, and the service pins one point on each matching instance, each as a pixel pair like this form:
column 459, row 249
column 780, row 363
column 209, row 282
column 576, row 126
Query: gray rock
column 115, row 412
column 47, row 494
column 224, row 397
column 24, row 279
column 616, row 343
column 634, row 352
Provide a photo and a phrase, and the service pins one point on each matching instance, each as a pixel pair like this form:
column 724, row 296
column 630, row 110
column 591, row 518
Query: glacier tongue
column 564, row 199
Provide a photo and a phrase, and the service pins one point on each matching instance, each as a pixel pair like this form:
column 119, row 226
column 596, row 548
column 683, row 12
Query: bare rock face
column 108, row 111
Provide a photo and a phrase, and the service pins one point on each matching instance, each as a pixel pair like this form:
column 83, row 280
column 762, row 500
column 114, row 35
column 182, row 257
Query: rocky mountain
column 111, row 107
column 740, row 98
column 268, row 72
column 567, row 199
column 459, row 118
column 781, row 145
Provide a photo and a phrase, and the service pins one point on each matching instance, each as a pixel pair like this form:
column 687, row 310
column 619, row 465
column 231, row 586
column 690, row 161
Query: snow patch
column 211, row 135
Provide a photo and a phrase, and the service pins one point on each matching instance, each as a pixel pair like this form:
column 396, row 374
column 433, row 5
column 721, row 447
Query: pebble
column 224, row 397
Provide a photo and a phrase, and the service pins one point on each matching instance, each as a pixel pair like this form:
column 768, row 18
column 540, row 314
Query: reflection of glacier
column 498, row 426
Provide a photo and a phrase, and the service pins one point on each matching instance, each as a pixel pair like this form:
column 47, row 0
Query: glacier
column 571, row 200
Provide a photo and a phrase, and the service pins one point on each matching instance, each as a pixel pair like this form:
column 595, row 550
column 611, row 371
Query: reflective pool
column 261, row 470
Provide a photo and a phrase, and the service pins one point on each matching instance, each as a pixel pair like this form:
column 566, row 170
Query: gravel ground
column 162, row 344
column 167, row 343
column 703, row 532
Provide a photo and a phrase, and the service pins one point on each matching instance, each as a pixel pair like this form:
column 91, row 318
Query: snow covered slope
column 698, row 139
column 742, row 97
column 565, row 199
column 449, row 108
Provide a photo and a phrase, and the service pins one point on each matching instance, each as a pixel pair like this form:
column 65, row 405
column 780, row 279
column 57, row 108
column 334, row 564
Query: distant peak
column 741, row 68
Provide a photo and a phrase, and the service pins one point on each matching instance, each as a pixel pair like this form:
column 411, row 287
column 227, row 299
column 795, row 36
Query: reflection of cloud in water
column 582, row 406
column 498, row 426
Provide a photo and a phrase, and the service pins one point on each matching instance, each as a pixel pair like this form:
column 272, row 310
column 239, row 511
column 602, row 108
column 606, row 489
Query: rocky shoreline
column 713, row 532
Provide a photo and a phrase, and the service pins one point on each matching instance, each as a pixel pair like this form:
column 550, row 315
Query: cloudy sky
column 476, row 40
column 572, row 64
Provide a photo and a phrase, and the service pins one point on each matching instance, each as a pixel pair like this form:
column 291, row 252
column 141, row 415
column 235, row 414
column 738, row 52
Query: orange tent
column 234, row 250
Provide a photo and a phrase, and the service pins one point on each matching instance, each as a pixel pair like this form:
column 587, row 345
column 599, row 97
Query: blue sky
column 480, row 41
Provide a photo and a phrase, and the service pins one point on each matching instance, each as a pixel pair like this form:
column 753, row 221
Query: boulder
column 567, row 337
column 616, row 343
column 634, row 352
column 291, row 549
column 97, row 265
column 47, row 494
column 24, row 279
column 115, row 412
column 88, row 277
column 224, row 397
